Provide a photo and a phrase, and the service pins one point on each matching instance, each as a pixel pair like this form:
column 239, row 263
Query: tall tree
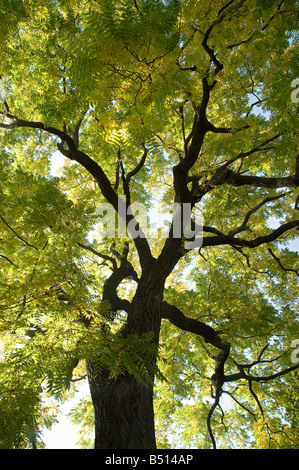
column 190, row 103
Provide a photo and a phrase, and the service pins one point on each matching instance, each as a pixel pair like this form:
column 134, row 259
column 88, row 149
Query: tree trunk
column 124, row 414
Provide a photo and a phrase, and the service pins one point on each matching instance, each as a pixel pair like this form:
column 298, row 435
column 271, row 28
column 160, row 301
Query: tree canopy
column 151, row 102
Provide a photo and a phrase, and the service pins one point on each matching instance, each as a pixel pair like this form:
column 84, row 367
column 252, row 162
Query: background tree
column 187, row 102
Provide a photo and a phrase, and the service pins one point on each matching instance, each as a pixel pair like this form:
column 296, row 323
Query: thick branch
column 126, row 188
column 274, row 376
column 242, row 375
column 125, row 270
column 72, row 153
column 223, row 12
column 236, row 179
column 225, row 176
column 245, row 375
column 200, row 125
column 139, row 165
column 177, row 318
column 199, row 130
column 231, row 240
column 225, row 130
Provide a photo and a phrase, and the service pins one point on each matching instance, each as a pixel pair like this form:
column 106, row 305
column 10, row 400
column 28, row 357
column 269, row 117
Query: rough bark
column 124, row 415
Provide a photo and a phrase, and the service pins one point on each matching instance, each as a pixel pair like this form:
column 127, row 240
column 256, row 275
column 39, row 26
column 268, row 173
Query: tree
column 190, row 103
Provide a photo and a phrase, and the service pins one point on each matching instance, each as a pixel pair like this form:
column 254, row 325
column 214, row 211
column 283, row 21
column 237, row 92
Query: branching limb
column 281, row 373
column 119, row 273
column 139, row 165
column 255, row 397
column 217, row 381
column 263, row 378
column 124, row 178
column 200, row 124
column 296, row 271
column 176, row 317
column 196, row 138
column 236, row 179
column 250, row 379
column 244, row 226
column 239, row 403
column 100, row 255
column 228, row 9
column 225, row 130
column 68, row 148
column 231, row 240
column 259, row 148
column 224, row 175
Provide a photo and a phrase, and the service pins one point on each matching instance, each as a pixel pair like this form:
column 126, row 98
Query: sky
column 64, row 435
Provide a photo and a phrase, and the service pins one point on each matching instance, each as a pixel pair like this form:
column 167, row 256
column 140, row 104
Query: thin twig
column 16, row 234
column 101, row 255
